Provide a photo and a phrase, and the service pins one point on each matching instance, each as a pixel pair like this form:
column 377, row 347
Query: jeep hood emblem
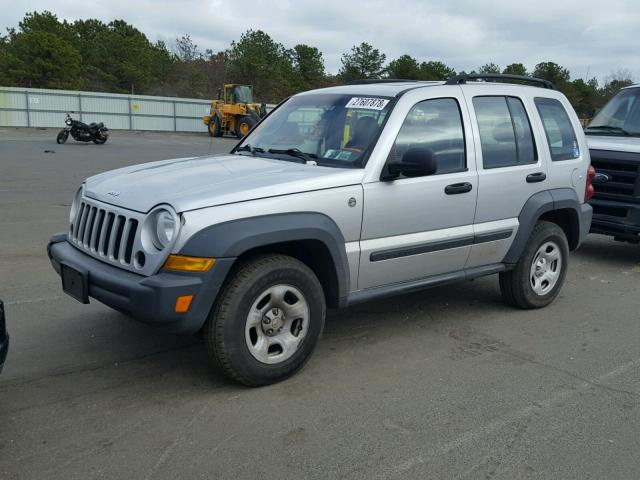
column 114, row 193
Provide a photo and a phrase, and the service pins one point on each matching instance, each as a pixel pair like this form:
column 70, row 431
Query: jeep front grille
column 104, row 232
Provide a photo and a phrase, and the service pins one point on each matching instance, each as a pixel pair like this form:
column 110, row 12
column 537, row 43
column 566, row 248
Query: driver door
column 419, row 227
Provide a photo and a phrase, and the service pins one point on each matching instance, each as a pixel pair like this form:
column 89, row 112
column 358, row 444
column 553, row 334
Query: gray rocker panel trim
column 534, row 208
column 233, row 238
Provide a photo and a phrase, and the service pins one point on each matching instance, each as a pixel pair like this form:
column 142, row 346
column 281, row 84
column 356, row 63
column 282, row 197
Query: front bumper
column 149, row 299
column 619, row 219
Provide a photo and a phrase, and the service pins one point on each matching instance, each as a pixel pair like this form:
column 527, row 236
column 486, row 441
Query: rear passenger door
column 510, row 168
column 565, row 153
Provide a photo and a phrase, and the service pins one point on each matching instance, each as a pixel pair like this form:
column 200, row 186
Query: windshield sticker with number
column 369, row 103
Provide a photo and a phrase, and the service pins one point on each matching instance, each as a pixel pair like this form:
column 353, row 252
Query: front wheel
column 538, row 276
column 244, row 125
column 215, row 127
column 62, row 137
column 266, row 321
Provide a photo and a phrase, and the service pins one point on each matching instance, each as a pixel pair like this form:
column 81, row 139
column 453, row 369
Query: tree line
column 45, row 52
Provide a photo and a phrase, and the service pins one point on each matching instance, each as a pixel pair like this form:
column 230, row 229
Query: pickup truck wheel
column 539, row 274
column 266, row 321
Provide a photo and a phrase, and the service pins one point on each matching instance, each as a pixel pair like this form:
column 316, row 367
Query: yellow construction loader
column 235, row 112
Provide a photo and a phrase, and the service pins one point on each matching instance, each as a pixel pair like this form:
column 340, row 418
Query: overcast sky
column 600, row 37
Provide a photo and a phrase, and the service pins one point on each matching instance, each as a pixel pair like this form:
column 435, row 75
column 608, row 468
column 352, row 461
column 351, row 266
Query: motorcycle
column 81, row 132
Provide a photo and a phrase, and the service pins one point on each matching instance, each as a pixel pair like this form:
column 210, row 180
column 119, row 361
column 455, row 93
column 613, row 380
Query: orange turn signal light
column 183, row 303
column 189, row 264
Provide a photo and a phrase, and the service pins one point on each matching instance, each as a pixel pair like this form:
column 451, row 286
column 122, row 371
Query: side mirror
column 416, row 162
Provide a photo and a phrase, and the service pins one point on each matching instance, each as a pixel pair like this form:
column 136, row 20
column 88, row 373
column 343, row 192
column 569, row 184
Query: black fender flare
column 235, row 237
column 536, row 206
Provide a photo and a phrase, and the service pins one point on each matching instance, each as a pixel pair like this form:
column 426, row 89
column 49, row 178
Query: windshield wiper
column 250, row 149
column 611, row 128
column 308, row 158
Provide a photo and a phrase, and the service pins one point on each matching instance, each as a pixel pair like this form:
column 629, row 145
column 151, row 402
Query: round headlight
column 74, row 205
column 68, row 122
column 165, row 229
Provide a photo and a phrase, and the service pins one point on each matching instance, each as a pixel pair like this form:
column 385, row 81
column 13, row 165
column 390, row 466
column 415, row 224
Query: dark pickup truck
column 614, row 142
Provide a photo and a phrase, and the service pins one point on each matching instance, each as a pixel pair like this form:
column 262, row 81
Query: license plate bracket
column 75, row 283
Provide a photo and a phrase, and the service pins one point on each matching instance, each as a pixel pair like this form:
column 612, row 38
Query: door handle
column 457, row 188
column 536, row 177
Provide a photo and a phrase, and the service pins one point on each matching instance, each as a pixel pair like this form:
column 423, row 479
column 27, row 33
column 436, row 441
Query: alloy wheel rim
column 276, row 324
column 545, row 268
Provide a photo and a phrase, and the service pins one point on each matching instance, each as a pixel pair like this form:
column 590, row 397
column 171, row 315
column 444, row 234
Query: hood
column 192, row 183
column 614, row 143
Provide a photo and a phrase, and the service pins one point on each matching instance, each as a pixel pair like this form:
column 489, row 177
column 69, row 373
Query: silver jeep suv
column 339, row 196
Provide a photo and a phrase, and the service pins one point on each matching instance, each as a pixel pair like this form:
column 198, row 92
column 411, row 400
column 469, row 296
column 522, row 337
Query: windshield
column 329, row 129
column 241, row 94
column 621, row 116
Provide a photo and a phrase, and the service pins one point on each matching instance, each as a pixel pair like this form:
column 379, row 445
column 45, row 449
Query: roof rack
column 366, row 81
column 461, row 79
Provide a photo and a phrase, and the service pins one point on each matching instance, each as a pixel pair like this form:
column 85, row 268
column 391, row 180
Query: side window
column 435, row 125
column 505, row 132
column 561, row 137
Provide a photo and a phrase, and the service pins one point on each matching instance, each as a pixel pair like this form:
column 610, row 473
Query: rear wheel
column 244, row 124
column 266, row 321
column 62, row 137
column 215, row 128
column 539, row 274
column 101, row 139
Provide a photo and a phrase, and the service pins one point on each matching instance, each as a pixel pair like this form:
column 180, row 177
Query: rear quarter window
column 561, row 138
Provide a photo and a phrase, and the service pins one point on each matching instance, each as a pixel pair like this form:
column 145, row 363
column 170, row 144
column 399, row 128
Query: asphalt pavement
column 444, row 383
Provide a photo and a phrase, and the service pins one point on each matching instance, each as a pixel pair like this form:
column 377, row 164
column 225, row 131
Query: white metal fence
column 35, row 107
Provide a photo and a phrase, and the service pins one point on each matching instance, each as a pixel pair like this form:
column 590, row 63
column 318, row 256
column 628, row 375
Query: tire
column 214, row 127
column 101, row 140
column 62, row 137
column 243, row 125
column 237, row 336
column 537, row 278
